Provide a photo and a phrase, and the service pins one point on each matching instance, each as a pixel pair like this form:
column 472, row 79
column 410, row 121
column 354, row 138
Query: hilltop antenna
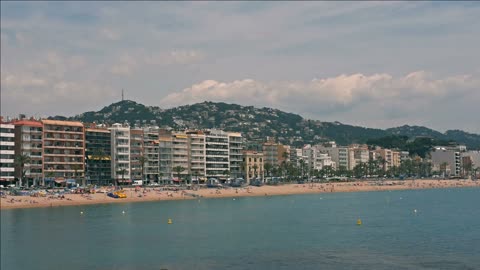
column 122, row 94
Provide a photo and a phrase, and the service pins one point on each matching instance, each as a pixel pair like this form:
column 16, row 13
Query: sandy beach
column 156, row 194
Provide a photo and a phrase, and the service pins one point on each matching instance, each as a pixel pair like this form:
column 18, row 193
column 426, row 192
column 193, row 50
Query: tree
column 303, row 166
column 268, row 168
column 178, row 170
column 142, row 159
column 20, row 161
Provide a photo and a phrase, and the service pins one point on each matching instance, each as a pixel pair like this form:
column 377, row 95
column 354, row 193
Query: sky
column 374, row 64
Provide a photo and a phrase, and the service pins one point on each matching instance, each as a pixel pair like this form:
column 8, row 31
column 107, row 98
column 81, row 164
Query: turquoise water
column 316, row 231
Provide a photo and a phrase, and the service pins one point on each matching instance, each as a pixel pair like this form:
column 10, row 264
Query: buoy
column 359, row 222
column 170, row 221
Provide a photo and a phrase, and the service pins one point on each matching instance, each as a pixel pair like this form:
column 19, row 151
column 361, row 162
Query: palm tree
column 142, row 159
column 302, row 167
column 255, row 167
column 20, row 161
column 268, row 168
column 178, row 170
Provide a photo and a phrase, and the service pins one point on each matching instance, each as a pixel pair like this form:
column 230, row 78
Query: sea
column 410, row 229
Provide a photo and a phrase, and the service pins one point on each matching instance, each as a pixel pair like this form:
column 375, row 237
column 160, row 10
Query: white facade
column 150, row 151
column 235, row 141
column 120, row 151
column 196, row 150
column 217, row 153
column 7, row 152
column 448, row 155
column 316, row 157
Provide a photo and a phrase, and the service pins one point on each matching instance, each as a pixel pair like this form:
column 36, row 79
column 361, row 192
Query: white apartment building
column 180, row 155
column 450, row 156
column 235, row 148
column 217, row 154
column 338, row 154
column 357, row 154
column 121, row 170
column 28, row 142
column 7, row 153
column 151, row 153
column 196, row 157
column 317, row 158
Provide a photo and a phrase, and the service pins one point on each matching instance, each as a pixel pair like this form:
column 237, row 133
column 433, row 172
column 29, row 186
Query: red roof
column 25, row 122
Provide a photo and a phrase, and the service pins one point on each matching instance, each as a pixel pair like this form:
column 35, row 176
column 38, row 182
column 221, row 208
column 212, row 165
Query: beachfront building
column 165, row 156
column 295, row 156
column 7, row 153
column 357, row 154
column 275, row 153
column 150, row 152
column 446, row 160
column 120, row 150
column 474, row 157
column 338, row 154
column 137, row 155
column 253, row 164
column 235, row 148
column 217, row 154
column 180, row 155
column 385, row 157
column 196, row 157
column 98, row 158
column 316, row 159
column 28, row 142
column 63, row 151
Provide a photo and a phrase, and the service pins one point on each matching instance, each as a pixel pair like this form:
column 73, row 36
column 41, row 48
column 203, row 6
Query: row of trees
column 412, row 168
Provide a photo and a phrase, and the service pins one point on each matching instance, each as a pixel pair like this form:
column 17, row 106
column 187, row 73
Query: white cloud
column 379, row 97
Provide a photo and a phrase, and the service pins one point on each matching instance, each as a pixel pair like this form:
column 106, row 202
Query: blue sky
column 378, row 64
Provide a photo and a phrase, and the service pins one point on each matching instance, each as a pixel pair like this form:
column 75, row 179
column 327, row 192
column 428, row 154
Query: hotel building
column 235, row 148
column 7, row 153
column 151, row 154
column 98, row 158
column 217, row 154
column 137, row 155
column 28, row 142
column 120, row 149
column 253, row 166
column 63, row 150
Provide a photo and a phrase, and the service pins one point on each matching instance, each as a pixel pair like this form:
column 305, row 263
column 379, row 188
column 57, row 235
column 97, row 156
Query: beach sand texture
column 154, row 194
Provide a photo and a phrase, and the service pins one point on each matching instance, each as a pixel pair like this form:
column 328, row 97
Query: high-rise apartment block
column 120, row 148
column 29, row 142
column 63, row 150
column 151, row 153
column 217, row 154
column 98, row 158
column 7, row 152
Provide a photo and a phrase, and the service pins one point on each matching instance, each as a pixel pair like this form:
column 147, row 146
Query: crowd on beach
column 134, row 194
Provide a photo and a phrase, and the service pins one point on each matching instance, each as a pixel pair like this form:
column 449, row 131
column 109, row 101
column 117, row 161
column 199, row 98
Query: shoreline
column 153, row 194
